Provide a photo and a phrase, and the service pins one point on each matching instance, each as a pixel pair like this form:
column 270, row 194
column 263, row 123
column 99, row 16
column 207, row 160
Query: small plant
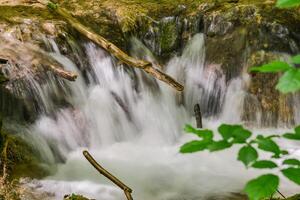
column 265, row 185
column 74, row 197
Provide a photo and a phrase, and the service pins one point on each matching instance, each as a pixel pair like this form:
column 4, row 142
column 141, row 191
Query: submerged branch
column 113, row 49
column 108, row 175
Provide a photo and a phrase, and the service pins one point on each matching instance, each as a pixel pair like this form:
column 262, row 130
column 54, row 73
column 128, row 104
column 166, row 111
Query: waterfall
column 133, row 125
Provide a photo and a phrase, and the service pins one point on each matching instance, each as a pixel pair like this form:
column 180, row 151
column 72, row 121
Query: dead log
column 111, row 48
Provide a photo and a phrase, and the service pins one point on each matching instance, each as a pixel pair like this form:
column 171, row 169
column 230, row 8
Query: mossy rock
column 21, row 160
column 75, row 197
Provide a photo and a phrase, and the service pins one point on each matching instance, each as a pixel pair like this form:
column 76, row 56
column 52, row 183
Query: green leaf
column 275, row 66
column 287, row 3
column 296, row 59
column 267, row 144
column 261, row 164
column 284, row 152
column 241, row 135
column 297, row 130
column 219, row 145
column 247, row 155
column 205, row 134
column 189, row 129
column 291, row 136
column 289, row 81
column 226, row 130
column 273, row 136
column 193, row 146
column 262, row 187
column 293, row 174
column 291, row 162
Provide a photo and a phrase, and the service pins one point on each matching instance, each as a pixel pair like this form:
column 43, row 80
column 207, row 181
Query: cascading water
column 133, row 124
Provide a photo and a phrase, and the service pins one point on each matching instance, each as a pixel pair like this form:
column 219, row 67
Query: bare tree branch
column 108, row 175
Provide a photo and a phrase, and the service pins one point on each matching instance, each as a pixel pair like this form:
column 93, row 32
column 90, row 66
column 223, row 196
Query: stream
column 133, row 125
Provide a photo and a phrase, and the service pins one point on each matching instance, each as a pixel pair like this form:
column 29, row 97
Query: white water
column 136, row 133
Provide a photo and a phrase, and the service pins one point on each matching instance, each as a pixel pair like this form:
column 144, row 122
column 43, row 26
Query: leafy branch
column 265, row 185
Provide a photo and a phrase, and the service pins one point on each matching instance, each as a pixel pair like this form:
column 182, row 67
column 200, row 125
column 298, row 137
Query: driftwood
column 111, row 48
column 108, row 175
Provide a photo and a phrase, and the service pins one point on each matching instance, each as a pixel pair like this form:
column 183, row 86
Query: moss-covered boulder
column 19, row 159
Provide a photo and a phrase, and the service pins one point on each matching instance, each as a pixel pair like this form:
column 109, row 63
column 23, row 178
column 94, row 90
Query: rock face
column 27, row 32
column 238, row 34
column 243, row 35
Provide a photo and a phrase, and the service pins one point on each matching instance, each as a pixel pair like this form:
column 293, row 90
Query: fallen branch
column 108, row 175
column 113, row 49
column 71, row 76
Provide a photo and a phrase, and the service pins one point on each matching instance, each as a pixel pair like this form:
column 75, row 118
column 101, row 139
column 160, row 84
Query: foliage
column 290, row 80
column 264, row 185
column 287, row 3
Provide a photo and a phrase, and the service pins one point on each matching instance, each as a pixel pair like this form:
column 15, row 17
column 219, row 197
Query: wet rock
column 273, row 107
column 19, row 159
column 28, row 28
column 75, row 197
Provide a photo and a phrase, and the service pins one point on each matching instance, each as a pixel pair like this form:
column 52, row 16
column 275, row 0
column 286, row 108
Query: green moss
column 7, row 13
column 21, row 160
column 75, row 197
column 168, row 35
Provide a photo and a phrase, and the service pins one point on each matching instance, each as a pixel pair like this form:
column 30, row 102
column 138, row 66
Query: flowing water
column 133, row 126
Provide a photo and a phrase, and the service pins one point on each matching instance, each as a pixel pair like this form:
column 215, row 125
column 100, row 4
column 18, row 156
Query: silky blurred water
column 133, row 126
